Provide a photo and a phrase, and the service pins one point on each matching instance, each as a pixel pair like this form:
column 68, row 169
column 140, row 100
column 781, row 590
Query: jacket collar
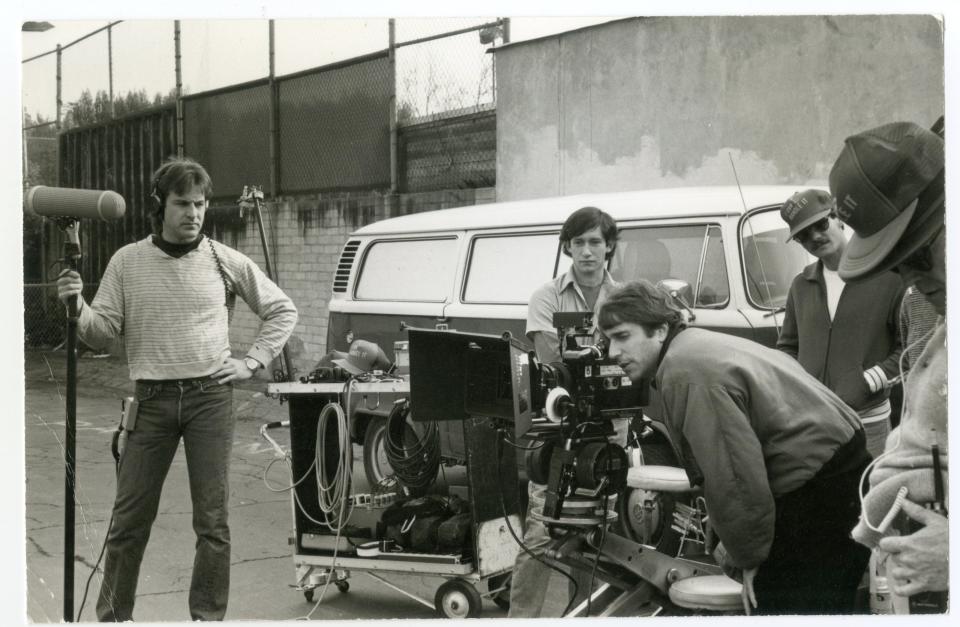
column 813, row 272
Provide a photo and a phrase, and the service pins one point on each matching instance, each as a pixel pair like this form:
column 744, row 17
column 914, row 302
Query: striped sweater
column 172, row 313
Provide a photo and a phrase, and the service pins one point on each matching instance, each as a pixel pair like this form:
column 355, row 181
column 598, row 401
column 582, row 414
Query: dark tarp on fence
column 335, row 127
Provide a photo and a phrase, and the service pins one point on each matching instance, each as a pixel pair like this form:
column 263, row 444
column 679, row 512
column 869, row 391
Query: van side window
column 507, row 269
column 692, row 253
column 408, row 270
column 770, row 261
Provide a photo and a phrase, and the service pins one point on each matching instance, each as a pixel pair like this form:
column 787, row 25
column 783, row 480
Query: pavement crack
column 260, row 559
column 87, row 563
column 39, row 548
column 164, row 593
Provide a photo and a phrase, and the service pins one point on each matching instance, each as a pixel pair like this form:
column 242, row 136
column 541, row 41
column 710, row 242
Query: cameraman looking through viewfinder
column 588, row 237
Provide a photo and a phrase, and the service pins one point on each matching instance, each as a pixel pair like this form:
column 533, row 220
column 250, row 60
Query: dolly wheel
column 342, row 585
column 308, row 595
column 457, row 598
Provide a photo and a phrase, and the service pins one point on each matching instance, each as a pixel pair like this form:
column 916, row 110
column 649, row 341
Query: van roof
column 622, row 206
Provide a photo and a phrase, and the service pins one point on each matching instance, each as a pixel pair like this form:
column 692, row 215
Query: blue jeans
column 201, row 412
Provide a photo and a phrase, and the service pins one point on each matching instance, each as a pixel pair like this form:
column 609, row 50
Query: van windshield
column 770, row 261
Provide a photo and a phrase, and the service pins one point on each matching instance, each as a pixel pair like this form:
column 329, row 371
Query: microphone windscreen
column 75, row 203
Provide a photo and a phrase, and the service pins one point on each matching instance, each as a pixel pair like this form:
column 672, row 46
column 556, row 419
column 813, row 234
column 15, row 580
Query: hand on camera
column 69, row 284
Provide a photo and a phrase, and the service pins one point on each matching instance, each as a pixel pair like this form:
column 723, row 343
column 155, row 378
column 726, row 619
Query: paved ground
column 262, row 565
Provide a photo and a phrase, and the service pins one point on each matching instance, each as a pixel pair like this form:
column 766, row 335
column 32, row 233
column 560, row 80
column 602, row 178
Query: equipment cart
column 333, row 539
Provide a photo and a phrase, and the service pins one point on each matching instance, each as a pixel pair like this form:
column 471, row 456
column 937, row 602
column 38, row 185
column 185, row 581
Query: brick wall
column 305, row 235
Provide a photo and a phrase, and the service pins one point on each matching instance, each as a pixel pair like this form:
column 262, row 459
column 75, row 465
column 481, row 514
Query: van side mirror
column 681, row 292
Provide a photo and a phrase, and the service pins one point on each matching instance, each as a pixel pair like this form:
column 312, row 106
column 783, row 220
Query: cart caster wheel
column 308, row 595
column 499, row 587
column 457, row 599
column 342, row 585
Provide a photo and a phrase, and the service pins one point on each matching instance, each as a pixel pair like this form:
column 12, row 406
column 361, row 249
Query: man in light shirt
column 169, row 297
column 588, row 237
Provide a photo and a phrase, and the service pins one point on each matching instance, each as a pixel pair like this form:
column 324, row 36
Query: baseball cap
column 806, row 208
column 364, row 356
column 888, row 184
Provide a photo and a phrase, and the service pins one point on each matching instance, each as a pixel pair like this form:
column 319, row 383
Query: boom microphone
column 68, row 202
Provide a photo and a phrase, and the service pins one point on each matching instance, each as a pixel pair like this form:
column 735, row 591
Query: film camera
column 582, row 395
column 562, row 411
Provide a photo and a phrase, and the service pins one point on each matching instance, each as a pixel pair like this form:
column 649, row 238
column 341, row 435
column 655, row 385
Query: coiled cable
column 417, row 462
column 333, row 490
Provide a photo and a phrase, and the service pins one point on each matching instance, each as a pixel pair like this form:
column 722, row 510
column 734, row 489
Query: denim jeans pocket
column 146, row 391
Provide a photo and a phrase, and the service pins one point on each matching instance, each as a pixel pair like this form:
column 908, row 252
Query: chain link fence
column 44, row 316
column 382, row 106
column 444, row 68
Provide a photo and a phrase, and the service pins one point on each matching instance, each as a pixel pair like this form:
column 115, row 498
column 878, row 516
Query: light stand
column 71, row 257
column 251, row 197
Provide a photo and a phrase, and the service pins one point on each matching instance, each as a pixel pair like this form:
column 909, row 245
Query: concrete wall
column 661, row 102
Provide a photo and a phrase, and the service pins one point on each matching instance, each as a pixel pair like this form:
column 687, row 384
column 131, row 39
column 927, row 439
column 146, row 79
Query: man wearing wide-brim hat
column 889, row 186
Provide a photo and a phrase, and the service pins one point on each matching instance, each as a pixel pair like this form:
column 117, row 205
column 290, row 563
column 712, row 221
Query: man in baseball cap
column 889, row 186
column 845, row 335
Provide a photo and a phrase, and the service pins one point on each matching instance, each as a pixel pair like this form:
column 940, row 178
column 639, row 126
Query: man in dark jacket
column 778, row 454
column 846, row 335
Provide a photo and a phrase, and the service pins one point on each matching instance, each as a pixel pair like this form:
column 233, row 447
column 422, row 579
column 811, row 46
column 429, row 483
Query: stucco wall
column 661, row 102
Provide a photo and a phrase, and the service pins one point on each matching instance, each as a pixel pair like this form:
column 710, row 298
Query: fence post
column 59, row 106
column 274, row 118
column 179, row 79
column 392, row 29
column 110, row 67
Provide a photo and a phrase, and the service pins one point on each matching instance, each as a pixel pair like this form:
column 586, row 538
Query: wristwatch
column 252, row 364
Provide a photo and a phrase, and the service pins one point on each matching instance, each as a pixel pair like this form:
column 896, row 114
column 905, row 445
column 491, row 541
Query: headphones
column 155, row 190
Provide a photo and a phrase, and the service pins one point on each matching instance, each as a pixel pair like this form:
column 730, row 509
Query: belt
column 189, row 381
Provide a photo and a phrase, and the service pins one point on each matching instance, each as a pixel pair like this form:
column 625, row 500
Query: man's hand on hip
column 232, row 370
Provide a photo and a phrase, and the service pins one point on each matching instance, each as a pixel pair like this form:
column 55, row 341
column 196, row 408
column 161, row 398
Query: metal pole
column 392, row 47
column 110, row 66
column 71, row 254
column 274, row 118
column 286, row 362
column 59, row 105
column 26, row 153
column 179, row 78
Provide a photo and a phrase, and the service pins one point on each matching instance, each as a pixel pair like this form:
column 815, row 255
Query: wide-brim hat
column 364, row 356
column 888, row 183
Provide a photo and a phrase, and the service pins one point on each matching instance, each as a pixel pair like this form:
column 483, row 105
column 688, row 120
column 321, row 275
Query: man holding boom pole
column 170, row 296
